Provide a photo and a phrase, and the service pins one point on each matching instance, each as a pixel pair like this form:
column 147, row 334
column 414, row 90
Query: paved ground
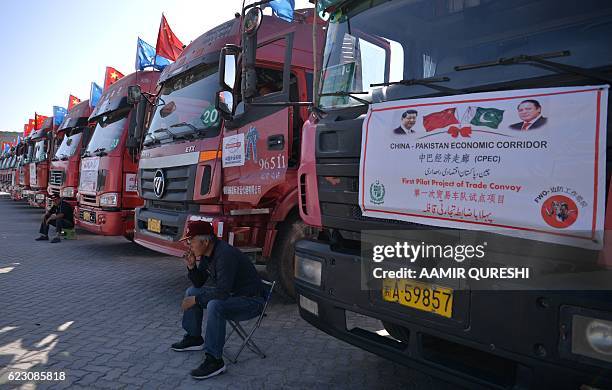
column 104, row 311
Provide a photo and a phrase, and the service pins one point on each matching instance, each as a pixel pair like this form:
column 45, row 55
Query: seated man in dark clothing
column 59, row 215
column 237, row 295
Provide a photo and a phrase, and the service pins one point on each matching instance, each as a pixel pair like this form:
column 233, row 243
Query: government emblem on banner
column 377, row 192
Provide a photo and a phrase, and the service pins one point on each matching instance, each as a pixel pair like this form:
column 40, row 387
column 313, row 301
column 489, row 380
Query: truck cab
column 17, row 185
column 107, row 193
column 24, row 169
column 239, row 173
column 71, row 140
column 39, row 164
column 417, row 50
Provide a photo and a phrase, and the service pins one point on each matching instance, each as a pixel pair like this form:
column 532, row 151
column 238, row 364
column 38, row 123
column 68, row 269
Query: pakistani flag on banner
column 490, row 117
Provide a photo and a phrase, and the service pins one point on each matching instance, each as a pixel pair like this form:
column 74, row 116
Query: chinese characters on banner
column 527, row 163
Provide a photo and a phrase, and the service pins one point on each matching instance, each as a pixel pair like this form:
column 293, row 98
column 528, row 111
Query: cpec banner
column 88, row 182
column 526, row 163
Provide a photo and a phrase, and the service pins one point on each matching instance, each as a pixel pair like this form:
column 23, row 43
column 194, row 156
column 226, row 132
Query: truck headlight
column 68, row 192
column 592, row 337
column 110, row 199
column 308, row 270
column 40, row 197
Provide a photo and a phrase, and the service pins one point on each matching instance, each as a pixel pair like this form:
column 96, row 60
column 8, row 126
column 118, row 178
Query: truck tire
column 280, row 266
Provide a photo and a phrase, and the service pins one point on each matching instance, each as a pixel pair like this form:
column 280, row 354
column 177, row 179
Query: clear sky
column 51, row 49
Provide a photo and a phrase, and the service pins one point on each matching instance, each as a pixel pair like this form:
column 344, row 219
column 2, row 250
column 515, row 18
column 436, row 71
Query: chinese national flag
column 111, row 76
column 168, row 45
column 438, row 120
column 39, row 120
column 27, row 128
column 73, row 101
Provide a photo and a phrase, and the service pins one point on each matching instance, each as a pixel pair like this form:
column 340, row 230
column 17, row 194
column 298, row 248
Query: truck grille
column 338, row 149
column 56, row 177
column 90, row 200
column 178, row 186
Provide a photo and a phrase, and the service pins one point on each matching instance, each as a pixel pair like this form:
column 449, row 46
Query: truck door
column 258, row 148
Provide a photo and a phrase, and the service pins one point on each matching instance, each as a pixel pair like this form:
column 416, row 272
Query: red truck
column 71, row 139
column 107, row 188
column 529, row 339
column 240, row 174
column 42, row 141
column 5, row 170
column 21, row 175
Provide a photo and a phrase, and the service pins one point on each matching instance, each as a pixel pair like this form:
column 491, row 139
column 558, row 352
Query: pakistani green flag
column 490, row 117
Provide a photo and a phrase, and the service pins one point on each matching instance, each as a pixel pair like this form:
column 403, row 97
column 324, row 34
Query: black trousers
column 58, row 223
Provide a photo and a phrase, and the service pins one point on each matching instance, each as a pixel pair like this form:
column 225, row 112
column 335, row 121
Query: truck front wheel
column 280, row 266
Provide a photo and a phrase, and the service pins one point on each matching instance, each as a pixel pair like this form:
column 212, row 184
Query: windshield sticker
column 233, row 151
column 210, row 117
column 114, row 143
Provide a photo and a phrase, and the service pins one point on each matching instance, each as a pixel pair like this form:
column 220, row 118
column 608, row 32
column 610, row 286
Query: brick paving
column 104, row 311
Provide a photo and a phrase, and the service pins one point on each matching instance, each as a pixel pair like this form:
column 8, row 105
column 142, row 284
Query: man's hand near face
column 189, row 259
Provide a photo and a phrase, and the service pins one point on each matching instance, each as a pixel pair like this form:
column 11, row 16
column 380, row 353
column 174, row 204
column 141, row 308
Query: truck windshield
column 68, row 146
column 405, row 40
column 108, row 132
column 186, row 106
column 40, row 151
column 29, row 153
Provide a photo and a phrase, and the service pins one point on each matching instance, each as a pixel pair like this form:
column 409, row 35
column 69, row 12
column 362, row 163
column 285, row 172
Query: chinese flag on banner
column 39, row 120
column 73, row 101
column 168, row 45
column 438, row 120
column 111, row 76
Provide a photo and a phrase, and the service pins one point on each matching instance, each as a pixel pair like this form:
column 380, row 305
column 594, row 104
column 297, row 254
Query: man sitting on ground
column 59, row 215
column 237, row 295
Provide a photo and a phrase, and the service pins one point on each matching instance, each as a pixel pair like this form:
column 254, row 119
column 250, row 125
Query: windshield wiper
column 100, row 152
column 426, row 82
column 540, row 60
column 350, row 94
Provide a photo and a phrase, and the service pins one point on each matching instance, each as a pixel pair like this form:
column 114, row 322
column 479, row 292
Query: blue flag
column 283, row 9
column 145, row 57
column 94, row 94
column 58, row 115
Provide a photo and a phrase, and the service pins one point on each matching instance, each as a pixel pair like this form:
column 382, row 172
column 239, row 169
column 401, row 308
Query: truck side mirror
column 224, row 103
column 134, row 94
column 252, row 21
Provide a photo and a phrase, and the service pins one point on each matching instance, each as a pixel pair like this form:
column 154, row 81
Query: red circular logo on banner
column 559, row 211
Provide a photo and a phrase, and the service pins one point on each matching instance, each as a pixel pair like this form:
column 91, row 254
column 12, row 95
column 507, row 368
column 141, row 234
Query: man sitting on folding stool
column 238, row 295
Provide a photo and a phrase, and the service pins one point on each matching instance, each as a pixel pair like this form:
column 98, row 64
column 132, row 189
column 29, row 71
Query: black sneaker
column 209, row 368
column 189, row 343
column 55, row 240
column 42, row 238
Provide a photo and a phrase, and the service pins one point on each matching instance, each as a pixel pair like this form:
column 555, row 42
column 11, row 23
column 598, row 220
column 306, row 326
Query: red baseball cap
column 197, row 228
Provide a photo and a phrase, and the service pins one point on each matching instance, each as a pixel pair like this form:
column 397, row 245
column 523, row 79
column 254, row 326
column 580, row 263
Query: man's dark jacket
column 234, row 275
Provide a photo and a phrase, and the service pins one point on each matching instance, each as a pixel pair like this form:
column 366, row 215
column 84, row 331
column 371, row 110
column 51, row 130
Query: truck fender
column 285, row 206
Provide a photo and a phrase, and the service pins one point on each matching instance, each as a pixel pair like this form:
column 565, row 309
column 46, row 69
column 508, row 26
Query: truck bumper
column 37, row 198
column 506, row 341
column 103, row 222
column 17, row 193
column 172, row 229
